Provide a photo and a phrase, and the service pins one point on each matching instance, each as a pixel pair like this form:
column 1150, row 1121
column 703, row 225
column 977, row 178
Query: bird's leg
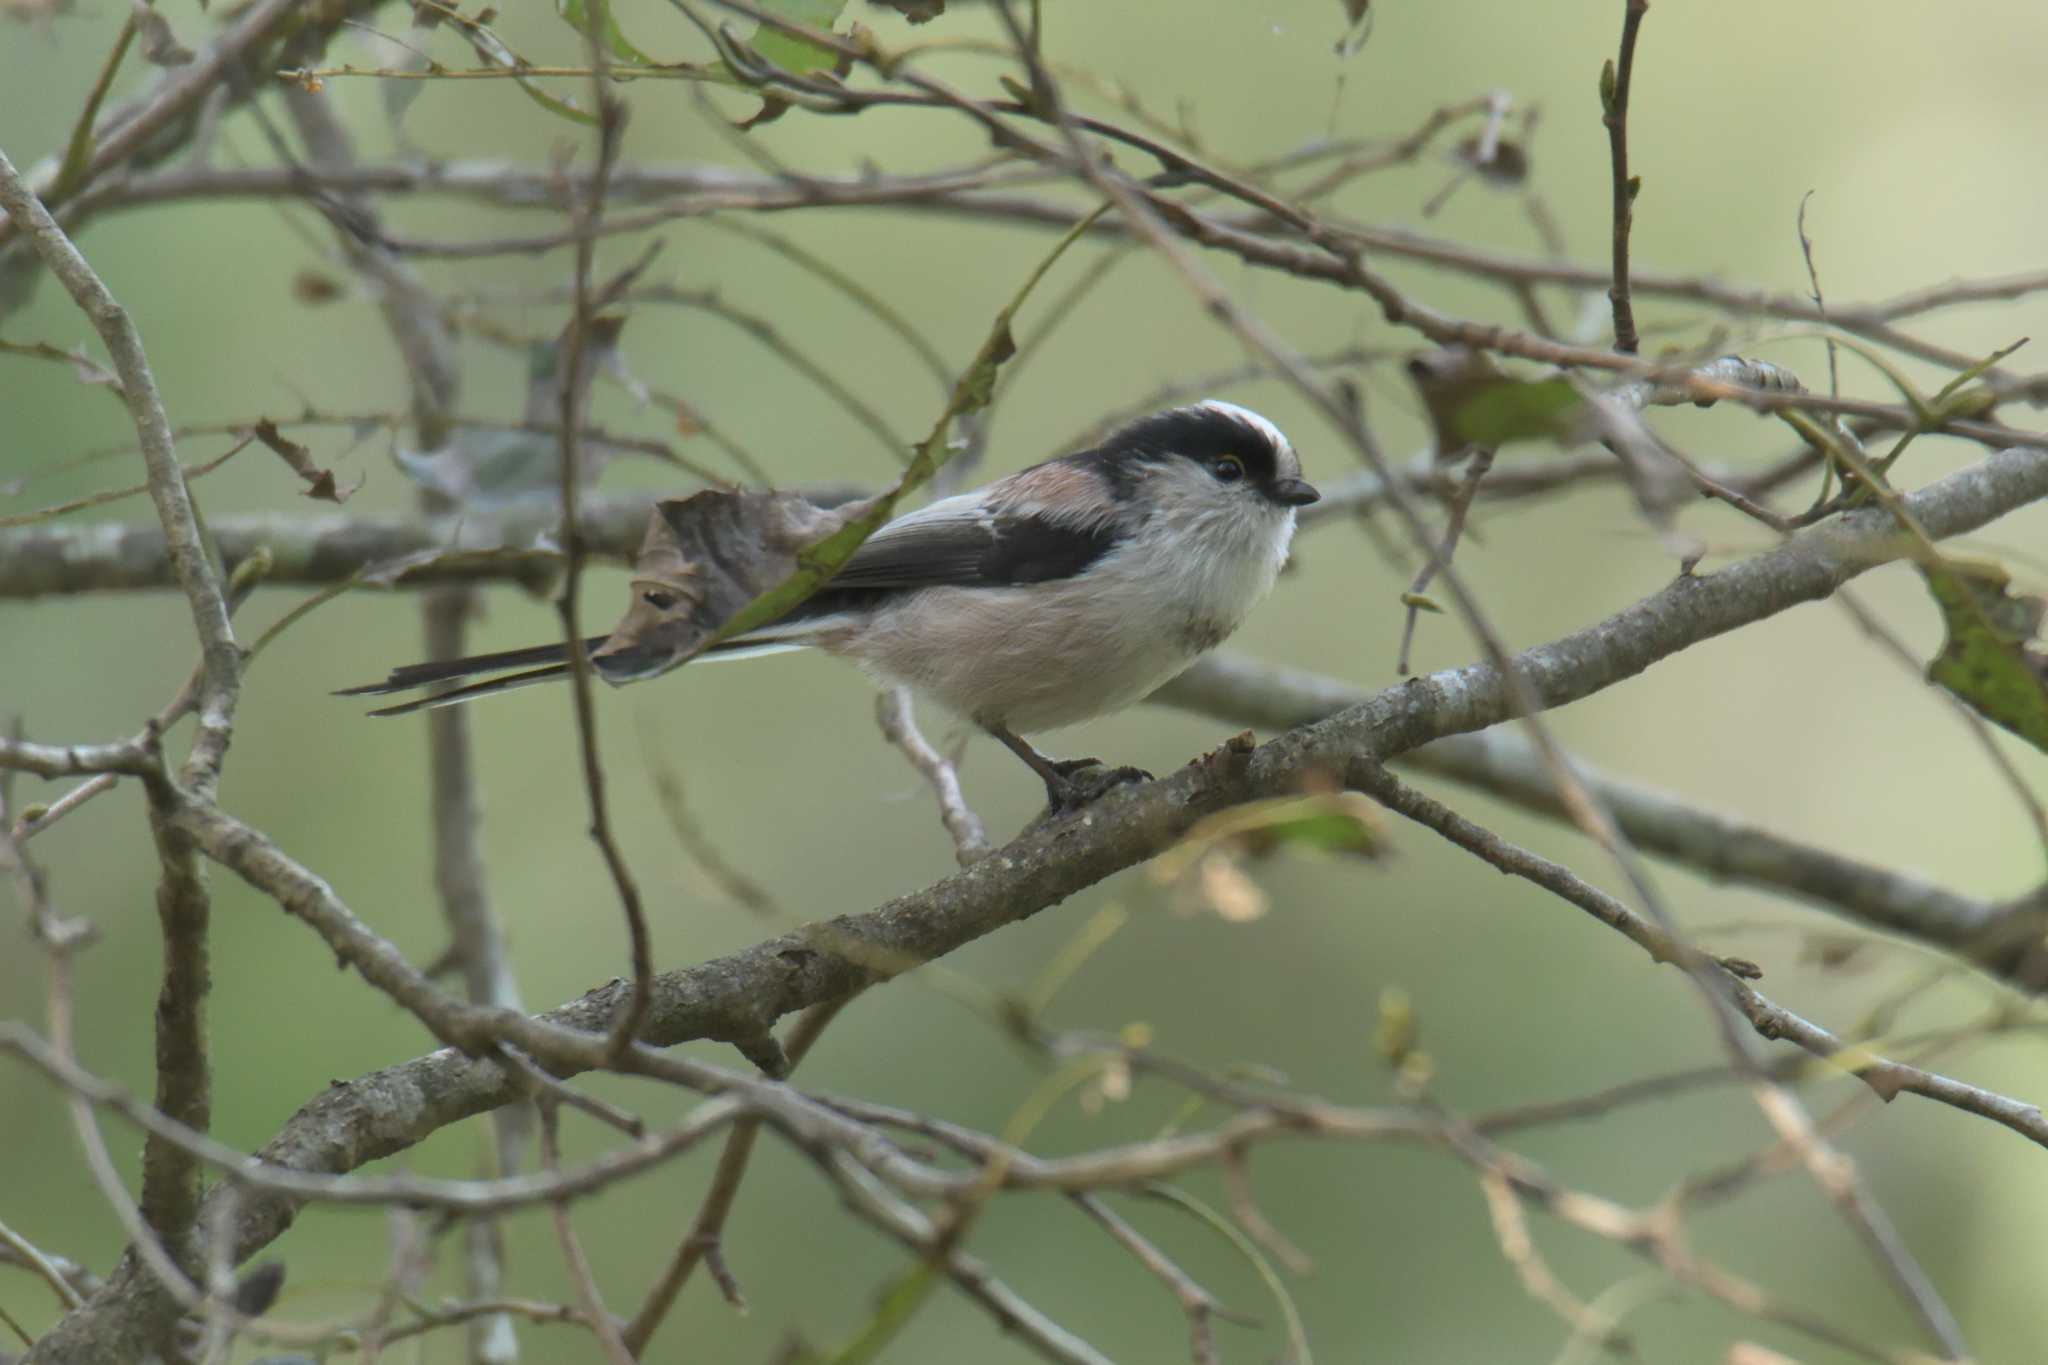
column 1064, row 790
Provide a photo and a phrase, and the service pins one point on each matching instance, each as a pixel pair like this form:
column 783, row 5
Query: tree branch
column 322, row 550
column 186, row 548
column 171, row 1182
column 740, row 996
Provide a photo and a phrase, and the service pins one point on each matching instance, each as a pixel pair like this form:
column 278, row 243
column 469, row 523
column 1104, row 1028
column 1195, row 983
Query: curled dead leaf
column 320, row 483
column 704, row 558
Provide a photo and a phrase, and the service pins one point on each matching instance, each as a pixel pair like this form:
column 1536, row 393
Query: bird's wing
column 964, row 541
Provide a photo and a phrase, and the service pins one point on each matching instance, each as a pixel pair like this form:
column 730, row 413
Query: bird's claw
column 1083, row 781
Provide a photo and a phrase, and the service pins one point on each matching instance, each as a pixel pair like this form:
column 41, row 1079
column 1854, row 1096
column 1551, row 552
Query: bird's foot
column 1083, row 781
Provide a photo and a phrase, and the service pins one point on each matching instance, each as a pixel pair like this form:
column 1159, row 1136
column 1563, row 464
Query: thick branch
column 321, row 550
column 171, row 1180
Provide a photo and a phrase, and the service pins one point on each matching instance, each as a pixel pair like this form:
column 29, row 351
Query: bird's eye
column 660, row 601
column 1227, row 468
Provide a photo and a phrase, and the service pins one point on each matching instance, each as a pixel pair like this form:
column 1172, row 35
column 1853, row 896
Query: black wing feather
column 997, row 551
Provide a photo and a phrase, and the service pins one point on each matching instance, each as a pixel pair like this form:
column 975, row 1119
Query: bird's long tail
column 534, row 664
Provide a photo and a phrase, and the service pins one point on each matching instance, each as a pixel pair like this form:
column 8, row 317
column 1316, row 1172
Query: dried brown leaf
column 160, row 46
column 320, row 483
column 703, row 559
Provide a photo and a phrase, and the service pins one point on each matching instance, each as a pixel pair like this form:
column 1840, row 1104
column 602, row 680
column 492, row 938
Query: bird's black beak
column 1293, row 492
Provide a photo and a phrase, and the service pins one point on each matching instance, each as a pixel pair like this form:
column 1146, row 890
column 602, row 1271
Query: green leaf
column 799, row 56
column 577, row 16
column 1993, row 659
column 1473, row 402
column 1519, row 410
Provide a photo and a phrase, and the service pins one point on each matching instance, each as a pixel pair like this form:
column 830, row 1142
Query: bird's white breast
column 1046, row 655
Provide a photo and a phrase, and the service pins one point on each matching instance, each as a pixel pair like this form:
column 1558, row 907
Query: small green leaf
column 799, row 56
column 1519, row 410
column 1399, row 1028
column 1473, row 402
column 1993, row 659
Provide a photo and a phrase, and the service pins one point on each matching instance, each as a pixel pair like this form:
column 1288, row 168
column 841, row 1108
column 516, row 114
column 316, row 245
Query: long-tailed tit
column 1060, row 593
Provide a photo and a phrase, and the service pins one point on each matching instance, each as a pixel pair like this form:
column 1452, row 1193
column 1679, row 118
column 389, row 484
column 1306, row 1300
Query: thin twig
column 34, row 821
column 1518, row 1249
column 1454, row 527
column 1198, row 1303
column 1615, row 80
column 589, row 211
column 701, row 1243
column 32, row 1257
column 196, row 574
column 601, row 1321
column 899, row 727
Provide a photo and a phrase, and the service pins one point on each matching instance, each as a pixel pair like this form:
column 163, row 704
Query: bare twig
column 31, row 823
column 1244, row 1206
column 101, row 499
column 601, row 1321
column 31, row 1256
column 1615, row 81
column 701, row 1243
column 899, row 727
column 195, row 572
column 1198, row 1303
column 610, row 126
column 1518, row 1248
column 1454, row 527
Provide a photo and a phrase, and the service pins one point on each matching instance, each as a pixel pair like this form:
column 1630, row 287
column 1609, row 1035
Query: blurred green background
column 1918, row 130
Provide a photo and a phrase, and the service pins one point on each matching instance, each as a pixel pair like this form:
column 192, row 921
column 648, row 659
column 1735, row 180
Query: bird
column 1062, row 592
